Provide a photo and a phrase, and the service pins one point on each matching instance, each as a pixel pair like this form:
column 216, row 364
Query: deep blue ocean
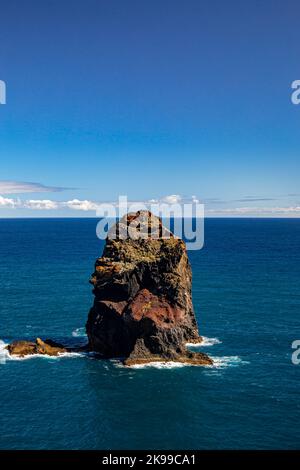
column 246, row 291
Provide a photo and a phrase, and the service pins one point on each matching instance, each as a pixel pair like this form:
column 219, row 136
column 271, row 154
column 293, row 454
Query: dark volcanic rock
column 26, row 348
column 143, row 309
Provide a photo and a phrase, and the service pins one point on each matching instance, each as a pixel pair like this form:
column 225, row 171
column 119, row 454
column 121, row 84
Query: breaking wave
column 157, row 365
column 79, row 333
column 219, row 363
column 205, row 342
column 4, row 355
column 226, row 361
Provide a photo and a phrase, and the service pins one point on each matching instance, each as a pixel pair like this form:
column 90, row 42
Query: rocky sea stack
column 143, row 310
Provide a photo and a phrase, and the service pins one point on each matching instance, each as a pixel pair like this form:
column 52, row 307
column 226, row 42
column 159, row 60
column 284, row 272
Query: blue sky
column 149, row 99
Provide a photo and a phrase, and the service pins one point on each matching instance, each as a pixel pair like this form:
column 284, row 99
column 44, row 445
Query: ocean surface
column 246, row 291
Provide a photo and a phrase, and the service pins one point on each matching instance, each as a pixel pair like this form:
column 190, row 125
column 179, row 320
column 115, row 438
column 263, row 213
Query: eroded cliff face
column 143, row 308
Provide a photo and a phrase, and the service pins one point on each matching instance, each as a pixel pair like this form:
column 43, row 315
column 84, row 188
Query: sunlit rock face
column 28, row 348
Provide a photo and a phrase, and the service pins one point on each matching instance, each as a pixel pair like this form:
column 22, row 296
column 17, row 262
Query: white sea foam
column 79, row 332
column 44, row 356
column 157, row 365
column 226, row 361
column 219, row 363
column 4, row 354
column 205, row 342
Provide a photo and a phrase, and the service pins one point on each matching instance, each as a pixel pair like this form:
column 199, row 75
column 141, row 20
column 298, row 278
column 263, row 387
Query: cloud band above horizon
column 22, row 187
column 87, row 206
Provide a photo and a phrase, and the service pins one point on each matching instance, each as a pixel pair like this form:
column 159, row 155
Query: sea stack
column 143, row 310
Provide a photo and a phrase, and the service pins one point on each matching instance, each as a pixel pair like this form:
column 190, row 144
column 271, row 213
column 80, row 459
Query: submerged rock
column 143, row 308
column 27, row 348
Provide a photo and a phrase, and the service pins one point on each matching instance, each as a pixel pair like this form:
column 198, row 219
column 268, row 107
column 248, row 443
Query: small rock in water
column 27, row 348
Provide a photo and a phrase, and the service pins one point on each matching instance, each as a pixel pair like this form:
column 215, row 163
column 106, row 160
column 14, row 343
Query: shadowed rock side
column 143, row 309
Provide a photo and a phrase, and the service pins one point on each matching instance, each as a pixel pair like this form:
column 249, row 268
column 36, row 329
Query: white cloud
column 41, row 204
column 87, row 205
column 48, row 204
column 8, row 203
column 78, row 205
column 256, row 210
column 15, row 187
column 172, row 199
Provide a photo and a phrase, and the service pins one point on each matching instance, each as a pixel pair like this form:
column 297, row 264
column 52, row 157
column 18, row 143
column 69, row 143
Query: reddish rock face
column 158, row 309
column 143, row 308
